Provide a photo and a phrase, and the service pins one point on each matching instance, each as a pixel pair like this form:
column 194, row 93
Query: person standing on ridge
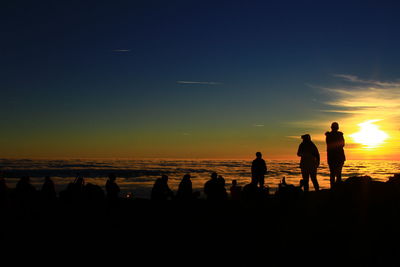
column 335, row 152
column 309, row 161
column 258, row 169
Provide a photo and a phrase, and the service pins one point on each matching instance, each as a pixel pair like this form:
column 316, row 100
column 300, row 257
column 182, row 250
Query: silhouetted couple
column 215, row 188
column 310, row 158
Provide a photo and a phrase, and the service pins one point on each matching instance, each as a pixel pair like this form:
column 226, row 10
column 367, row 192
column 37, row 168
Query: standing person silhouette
column 48, row 190
column 112, row 187
column 258, row 170
column 309, row 161
column 335, row 152
column 161, row 190
column 185, row 191
column 211, row 187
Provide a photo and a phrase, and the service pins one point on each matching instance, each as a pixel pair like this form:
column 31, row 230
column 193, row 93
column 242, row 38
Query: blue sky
column 76, row 75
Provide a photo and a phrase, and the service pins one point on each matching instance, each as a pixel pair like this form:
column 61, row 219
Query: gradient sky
column 195, row 79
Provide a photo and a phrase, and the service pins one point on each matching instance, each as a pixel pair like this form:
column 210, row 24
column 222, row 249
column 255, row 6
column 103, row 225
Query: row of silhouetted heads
column 79, row 190
column 214, row 189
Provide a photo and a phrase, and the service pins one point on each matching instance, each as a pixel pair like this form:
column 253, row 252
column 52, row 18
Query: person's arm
column 300, row 150
column 327, row 141
column 342, row 140
column 316, row 154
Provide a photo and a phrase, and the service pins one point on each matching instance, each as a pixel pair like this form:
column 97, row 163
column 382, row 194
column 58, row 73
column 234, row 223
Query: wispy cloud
column 121, row 50
column 198, row 82
column 258, row 125
column 355, row 79
column 368, row 97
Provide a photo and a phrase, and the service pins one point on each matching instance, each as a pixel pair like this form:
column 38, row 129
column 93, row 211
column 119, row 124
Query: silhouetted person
column 335, row 152
column 48, row 190
column 161, row 190
column 3, row 190
column 289, row 191
column 77, row 188
column 112, row 188
column 185, row 191
column 211, row 187
column 251, row 191
column 309, row 161
column 259, row 169
column 74, row 191
column 222, row 194
column 24, row 189
column 236, row 191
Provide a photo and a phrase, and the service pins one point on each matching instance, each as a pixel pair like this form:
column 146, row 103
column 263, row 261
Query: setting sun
column 370, row 136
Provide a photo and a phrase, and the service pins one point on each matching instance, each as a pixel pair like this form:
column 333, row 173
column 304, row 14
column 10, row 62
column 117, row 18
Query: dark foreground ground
column 355, row 225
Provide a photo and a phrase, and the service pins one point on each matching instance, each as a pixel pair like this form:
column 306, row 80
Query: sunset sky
column 197, row 79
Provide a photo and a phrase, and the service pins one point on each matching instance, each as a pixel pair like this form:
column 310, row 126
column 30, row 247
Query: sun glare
column 369, row 135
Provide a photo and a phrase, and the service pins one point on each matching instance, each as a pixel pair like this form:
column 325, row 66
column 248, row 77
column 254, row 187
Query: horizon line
column 179, row 158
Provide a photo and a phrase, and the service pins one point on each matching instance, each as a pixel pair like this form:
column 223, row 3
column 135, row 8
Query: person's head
column 186, row 177
column 164, row 178
column 112, row 177
column 259, row 155
column 306, row 138
column 214, row 175
column 47, row 178
column 335, row 126
column 234, row 182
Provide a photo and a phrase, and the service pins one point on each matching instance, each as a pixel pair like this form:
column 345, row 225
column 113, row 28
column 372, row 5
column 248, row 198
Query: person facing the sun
column 335, row 153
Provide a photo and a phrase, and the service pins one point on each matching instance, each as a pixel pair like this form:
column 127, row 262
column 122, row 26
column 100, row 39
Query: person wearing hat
column 309, row 162
column 335, row 153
